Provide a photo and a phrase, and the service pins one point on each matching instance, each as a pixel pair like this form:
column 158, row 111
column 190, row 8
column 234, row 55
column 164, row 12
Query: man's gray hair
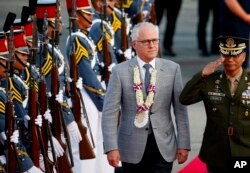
column 139, row 26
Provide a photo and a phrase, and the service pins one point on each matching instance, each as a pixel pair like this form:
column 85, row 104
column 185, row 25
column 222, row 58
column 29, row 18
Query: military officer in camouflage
column 226, row 97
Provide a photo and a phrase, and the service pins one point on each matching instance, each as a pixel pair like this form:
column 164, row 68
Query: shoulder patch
column 80, row 51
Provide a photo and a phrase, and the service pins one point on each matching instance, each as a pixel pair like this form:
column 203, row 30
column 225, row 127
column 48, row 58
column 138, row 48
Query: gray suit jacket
column 130, row 140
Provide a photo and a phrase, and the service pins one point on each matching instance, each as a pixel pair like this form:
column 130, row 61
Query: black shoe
column 169, row 52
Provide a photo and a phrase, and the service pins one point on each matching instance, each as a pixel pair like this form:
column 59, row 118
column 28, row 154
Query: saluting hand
column 212, row 66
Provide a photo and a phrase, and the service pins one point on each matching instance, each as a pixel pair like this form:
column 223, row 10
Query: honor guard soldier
column 103, row 36
column 118, row 22
column 89, row 83
column 49, row 56
column 26, row 24
column 137, row 10
column 226, row 97
column 24, row 162
column 86, row 57
column 17, row 86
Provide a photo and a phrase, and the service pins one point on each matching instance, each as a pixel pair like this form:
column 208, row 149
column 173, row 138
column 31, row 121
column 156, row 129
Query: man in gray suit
column 145, row 140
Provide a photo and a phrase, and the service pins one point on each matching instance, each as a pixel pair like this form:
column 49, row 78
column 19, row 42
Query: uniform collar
column 141, row 62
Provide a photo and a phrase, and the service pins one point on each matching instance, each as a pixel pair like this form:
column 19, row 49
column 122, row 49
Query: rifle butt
column 63, row 161
column 11, row 148
column 85, row 148
column 11, row 165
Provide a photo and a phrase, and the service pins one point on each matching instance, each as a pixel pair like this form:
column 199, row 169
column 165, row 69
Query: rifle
column 58, row 122
column 10, row 124
column 32, row 111
column 139, row 16
column 43, row 101
column 152, row 16
column 85, row 148
column 56, row 111
column 46, row 130
column 36, row 133
column 124, row 37
column 105, row 46
column 33, row 129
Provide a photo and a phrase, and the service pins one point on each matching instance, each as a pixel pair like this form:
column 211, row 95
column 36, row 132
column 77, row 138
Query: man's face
column 233, row 63
column 84, row 20
column 147, row 44
column 2, row 68
column 110, row 6
column 51, row 27
column 23, row 58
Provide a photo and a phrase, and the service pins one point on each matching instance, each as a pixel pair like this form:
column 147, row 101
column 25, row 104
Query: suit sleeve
column 111, row 108
column 180, row 112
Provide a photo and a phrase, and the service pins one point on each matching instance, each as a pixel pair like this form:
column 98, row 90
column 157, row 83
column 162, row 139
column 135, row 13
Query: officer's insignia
column 245, row 97
column 230, row 42
column 217, row 82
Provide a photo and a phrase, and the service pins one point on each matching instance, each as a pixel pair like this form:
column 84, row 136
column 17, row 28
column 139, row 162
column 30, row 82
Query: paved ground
column 184, row 45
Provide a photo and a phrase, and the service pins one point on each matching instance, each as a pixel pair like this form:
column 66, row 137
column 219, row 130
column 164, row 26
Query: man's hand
column 79, row 83
column 113, row 158
column 182, row 155
column 47, row 116
column 59, row 97
column 74, row 132
column 212, row 66
column 39, row 120
column 14, row 137
column 58, row 148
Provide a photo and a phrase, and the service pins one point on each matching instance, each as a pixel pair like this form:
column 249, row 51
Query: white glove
column 69, row 79
column 145, row 13
column 79, row 83
column 26, row 120
column 14, row 137
column 34, row 169
column 120, row 51
column 39, row 120
column 74, row 132
column 3, row 159
column 111, row 66
column 128, row 53
column 3, row 137
column 59, row 97
column 47, row 116
column 49, row 94
column 58, row 148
